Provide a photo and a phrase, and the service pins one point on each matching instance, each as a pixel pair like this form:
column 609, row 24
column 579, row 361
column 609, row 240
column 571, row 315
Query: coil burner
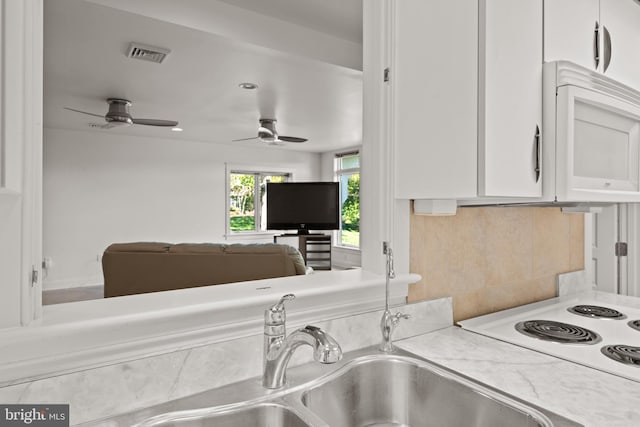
column 635, row 324
column 626, row 354
column 595, row 311
column 559, row 332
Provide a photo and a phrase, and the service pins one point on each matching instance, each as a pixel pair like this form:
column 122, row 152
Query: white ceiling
column 342, row 18
column 303, row 54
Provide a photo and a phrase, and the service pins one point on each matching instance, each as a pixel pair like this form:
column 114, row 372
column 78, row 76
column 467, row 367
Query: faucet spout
column 325, row 350
column 389, row 321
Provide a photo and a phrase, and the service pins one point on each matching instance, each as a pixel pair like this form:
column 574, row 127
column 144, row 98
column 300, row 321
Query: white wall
column 105, row 187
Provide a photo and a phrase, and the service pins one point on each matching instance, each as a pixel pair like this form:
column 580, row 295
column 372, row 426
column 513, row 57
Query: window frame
column 337, row 174
column 257, row 173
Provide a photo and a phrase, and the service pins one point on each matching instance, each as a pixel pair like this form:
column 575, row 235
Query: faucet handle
column 275, row 315
column 398, row 316
column 280, row 304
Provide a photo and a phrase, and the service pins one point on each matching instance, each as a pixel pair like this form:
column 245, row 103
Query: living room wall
column 105, row 187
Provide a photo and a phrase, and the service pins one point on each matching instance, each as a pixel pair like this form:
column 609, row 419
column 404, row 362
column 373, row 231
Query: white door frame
column 21, row 57
column 618, row 223
column 632, row 234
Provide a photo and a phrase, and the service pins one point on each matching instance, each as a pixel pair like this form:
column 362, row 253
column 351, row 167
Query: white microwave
column 591, row 136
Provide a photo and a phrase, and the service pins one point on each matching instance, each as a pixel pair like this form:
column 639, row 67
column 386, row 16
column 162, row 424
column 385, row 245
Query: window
column 347, row 171
column 247, row 199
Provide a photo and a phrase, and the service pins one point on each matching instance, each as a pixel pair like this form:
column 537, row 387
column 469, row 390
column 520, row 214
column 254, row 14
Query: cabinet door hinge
column 34, row 276
column 621, row 248
column 387, row 73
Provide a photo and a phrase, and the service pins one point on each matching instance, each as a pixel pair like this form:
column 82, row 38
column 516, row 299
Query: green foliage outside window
column 242, row 199
column 351, row 205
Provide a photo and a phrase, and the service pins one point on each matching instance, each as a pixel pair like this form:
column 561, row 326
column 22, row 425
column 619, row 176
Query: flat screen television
column 303, row 206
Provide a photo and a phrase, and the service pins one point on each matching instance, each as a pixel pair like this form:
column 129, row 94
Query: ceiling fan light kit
column 248, row 86
column 118, row 113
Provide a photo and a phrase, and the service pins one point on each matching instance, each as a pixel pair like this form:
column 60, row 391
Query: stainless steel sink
column 366, row 388
column 260, row 415
column 397, row 391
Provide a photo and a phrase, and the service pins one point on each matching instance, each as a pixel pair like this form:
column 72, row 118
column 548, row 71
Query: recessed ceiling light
column 248, row 86
column 176, row 129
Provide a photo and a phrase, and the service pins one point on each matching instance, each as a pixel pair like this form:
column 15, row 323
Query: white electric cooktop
column 609, row 324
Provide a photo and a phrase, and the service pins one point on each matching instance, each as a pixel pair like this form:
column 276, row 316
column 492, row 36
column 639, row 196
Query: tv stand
column 316, row 250
column 314, row 247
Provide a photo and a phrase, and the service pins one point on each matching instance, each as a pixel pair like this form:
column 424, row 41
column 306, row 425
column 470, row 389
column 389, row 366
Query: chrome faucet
column 278, row 348
column 389, row 321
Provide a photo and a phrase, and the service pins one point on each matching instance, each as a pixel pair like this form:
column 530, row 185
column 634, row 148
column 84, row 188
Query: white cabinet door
column 621, row 21
column 434, row 98
column 569, row 31
column 510, row 98
column 466, row 84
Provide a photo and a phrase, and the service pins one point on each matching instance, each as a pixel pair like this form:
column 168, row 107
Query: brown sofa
column 136, row 268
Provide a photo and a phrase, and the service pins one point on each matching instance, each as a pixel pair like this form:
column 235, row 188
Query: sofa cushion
column 256, row 248
column 198, row 248
column 139, row 247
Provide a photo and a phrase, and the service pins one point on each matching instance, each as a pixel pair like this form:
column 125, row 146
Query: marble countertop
column 584, row 395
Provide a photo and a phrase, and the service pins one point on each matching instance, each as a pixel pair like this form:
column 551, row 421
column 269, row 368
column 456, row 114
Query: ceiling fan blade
column 155, row 122
column 244, row 139
column 291, row 139
column 84, row 112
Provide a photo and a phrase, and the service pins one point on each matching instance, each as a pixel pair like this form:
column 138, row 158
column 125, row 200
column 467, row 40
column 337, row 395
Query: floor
column 60, row 296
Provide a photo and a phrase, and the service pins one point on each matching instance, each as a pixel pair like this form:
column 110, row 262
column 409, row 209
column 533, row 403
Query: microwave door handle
column 607, row 48
column 596, row 45
column 538, row 148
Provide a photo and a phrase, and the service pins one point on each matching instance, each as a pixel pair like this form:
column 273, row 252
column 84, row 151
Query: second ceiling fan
column 267, row 133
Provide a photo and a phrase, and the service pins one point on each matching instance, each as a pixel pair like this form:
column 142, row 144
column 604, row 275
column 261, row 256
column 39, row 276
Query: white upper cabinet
column 510, row 98
column 571, row 32
column 601, row 35
column 621, row 40
column 434, row 98
column 466, row 89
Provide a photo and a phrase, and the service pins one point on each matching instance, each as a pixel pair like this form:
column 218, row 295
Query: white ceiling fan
column 119, row 115
column 267, row 133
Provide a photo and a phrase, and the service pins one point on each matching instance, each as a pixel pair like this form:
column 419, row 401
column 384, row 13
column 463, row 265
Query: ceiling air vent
column 147, row 53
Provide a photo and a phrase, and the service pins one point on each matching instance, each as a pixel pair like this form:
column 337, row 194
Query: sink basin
column 261, row 415
column 405, row 392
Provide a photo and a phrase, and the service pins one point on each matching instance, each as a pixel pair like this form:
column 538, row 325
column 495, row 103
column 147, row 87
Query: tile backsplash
column 493, row 258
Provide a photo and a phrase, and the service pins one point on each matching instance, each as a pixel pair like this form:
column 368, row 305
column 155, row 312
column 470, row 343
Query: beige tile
column 545, row 288
column 576, row 242
column 468, row 305
column 416, row 292
column 451, row 257
column 551, row 241
column 490, row 259
column 509, row 244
